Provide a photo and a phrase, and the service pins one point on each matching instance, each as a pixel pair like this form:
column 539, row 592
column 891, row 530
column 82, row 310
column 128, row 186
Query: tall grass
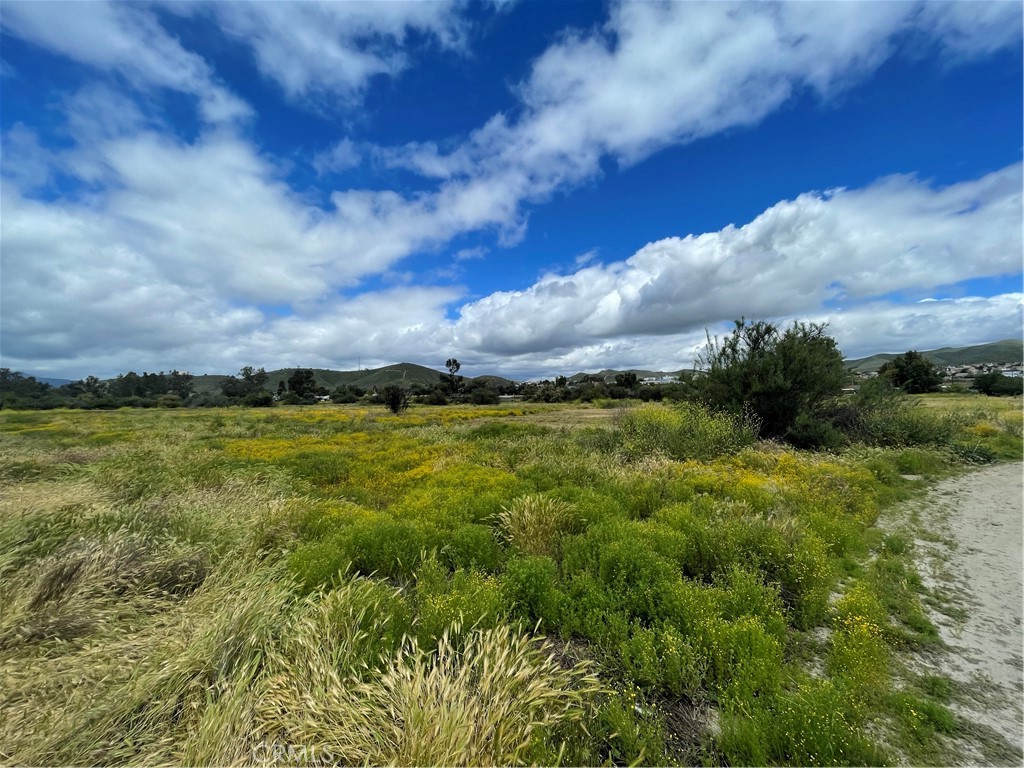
column 332, row 585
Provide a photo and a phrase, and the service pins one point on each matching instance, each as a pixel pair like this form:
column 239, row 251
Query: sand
column 970, row 553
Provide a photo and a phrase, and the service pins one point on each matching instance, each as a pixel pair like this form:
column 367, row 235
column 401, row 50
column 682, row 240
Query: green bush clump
column 895, row 422
column 627, row 570
column 787, row 555
column 807, row 582
column 469, row 599
column 744, row 593
column 459, row 494
column 530, row 588
column 745, row 660
column 973, row 454
column 684, row 431
column 317, row 564
column 379, row 545
column 859, row 656
column 664, row 659
column 811, row 725
column 628, row 730
column 473, row 546
column 921, row 719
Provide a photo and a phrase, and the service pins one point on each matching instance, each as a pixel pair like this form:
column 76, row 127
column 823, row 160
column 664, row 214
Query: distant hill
column 404, row 374
column 53, row 382
column 1005, row 351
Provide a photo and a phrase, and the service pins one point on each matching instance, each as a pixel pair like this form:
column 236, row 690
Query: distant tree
column 179, row 384
column 346, row 393
column 996, row 384
column 126, row 385
column 451, row 381
column 247, row 387
column 627, row 380
column 20, row 391
column 779, row 377
column 302, row 382
column 912, row 372
column 395, row 398
column 561, row 381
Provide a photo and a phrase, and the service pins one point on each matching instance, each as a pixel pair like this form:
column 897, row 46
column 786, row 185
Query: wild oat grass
column 534, row 524
column 491, row 699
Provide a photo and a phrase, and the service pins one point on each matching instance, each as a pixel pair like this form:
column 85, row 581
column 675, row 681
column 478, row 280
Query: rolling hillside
column 1005, row 351
column 404, row 374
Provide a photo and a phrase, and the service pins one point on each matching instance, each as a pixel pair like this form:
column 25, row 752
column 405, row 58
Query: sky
column 534, row 188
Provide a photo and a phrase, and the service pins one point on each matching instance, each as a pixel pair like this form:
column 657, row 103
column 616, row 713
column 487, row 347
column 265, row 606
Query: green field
column 463, row 586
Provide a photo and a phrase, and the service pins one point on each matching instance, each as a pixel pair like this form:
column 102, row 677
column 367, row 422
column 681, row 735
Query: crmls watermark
column 276, row 753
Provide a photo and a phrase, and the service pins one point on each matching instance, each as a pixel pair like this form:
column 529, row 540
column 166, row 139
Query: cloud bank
column 131, row 244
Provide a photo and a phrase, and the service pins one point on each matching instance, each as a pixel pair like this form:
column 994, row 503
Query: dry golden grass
column 534, row 524
column 485, row 699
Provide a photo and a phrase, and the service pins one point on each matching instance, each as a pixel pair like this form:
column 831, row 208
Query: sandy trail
column 970, row 530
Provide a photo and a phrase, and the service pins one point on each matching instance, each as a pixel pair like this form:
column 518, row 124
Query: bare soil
column 970, row 557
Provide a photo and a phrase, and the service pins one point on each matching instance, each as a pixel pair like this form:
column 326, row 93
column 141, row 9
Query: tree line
column 791, row 379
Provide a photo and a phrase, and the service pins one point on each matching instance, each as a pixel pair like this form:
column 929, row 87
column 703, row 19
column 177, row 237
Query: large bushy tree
column 996, row 384
column 302, row 382
column 786, row 379
column 912, row 372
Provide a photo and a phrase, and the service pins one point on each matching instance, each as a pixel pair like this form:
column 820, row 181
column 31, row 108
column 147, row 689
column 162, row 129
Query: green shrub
column 317, row 564
column 473, row 546
column 459, row 494
column 745, row 661
column 629, row 732
column 775, row 376
column 469, row 599
column 807, row 582
column 744, row 593
column 378, row 546
column 814, row 432
column 708, row 549
column 973, row 454
column 859, row 656
column 922, row 719
column 896, row 422
column 664, row 659
column 684, row 431
column 530, row 588
column 811, row 725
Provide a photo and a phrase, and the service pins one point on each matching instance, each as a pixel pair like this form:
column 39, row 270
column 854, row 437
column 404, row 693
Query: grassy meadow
column 466, row 586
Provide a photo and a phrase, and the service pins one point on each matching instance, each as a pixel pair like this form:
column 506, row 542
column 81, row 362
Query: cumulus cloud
column 661, row 74
column 181, row 252
column 841, row 246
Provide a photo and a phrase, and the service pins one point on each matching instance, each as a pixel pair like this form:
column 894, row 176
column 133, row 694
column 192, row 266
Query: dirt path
column 970, row 543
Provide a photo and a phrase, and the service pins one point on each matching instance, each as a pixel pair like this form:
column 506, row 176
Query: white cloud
column 179, row 250
column 333, row 49
column 341, row 157
column 660, row 74
column 127, row 39
column 890, row 327
column 845, row 246
column 468, row 254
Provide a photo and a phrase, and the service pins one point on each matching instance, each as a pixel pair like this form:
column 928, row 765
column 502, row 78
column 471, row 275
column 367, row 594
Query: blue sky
column 533, row 187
